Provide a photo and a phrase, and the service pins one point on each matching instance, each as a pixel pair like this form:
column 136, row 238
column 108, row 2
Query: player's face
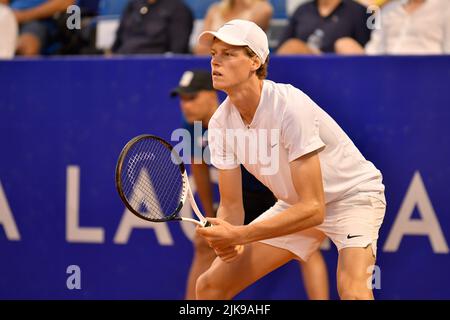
column 196, row 106
column 230, row 65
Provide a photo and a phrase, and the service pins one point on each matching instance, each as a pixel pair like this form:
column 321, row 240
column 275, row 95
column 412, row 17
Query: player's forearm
column 296, row 218
column 45, row 10
column 204, row 187
column 6, row 2
column 233, row 214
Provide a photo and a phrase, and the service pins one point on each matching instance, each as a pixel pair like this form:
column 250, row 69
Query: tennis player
column 198, row 102
column 324, row 185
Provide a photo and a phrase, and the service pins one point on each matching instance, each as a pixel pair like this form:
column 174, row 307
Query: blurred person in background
column 258, row 11
column 8, row 32
column 154, row 26
column 80, row 41
column 407, row 27
column 316, row 25
column 36, row 26
column 378, row 3
column 291, row 5
column 198, row 102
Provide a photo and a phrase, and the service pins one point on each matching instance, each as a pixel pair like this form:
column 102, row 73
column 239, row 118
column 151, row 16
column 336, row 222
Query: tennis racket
column 152, row 182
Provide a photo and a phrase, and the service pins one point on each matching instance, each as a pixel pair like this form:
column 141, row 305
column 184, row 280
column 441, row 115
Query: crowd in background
column 40, row 27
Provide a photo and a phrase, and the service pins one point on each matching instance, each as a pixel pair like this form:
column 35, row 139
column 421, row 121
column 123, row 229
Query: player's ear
column 256, row 63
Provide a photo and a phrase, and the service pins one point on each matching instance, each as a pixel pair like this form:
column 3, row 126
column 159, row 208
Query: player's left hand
column 230, row 254
column 221, row 234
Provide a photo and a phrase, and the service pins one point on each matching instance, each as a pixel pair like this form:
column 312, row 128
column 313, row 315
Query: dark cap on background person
column 193, row 81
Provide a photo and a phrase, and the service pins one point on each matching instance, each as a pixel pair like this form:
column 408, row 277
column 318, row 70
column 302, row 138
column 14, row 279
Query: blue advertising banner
column 63, row 123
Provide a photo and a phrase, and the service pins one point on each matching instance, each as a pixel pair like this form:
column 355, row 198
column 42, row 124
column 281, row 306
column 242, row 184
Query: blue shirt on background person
column 348, row 19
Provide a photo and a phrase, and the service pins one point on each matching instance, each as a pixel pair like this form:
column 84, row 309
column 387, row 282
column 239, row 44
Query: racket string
column 152, row 182
column 140, row 188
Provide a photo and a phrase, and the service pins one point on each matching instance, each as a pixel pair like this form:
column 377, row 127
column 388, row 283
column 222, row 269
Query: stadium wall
column 64, row 121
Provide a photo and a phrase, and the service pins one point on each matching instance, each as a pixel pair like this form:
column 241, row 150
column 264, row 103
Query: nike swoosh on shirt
column 354, row 236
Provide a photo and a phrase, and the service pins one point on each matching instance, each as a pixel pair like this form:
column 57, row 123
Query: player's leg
column 353, row 225
column 315, row 277
column 225, row 280
column 202, row 260
column 314, row 271
column 354, row 274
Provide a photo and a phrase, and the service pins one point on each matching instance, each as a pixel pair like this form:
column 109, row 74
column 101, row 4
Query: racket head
column 149, row 179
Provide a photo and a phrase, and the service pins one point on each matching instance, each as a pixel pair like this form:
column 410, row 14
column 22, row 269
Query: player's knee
column 209, row 288
column 354, row 291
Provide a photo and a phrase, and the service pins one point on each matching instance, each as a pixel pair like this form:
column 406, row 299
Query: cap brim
column 206, row 38
column 182, row 90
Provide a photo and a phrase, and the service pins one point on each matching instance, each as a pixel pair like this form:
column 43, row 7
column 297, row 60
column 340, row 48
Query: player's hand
column 221, row 234
column 229, row 254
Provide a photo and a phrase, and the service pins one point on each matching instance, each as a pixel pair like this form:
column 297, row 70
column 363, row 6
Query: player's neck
column 246, row 98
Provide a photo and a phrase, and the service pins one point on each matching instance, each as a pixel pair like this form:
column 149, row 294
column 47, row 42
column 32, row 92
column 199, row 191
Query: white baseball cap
column 240, row 33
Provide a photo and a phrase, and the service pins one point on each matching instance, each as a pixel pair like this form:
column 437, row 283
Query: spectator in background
column 154, row 26
column 8, row 33
column 35, row 22
column 291, row 5
column 378, row 3
column 258, row 11
column 407, row 27
column 199, row 100
column 315, row 27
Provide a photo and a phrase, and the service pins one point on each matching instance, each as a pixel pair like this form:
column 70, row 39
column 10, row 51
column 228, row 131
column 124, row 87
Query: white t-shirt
column 287, row 125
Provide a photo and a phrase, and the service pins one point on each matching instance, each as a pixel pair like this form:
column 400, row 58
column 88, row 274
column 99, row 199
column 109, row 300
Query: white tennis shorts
column 353, row 222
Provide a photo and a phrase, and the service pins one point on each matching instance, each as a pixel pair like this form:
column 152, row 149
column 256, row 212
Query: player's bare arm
column 231, row 208
column 307, row 213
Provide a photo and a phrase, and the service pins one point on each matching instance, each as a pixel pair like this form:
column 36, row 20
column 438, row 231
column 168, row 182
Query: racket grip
column 207, row 224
